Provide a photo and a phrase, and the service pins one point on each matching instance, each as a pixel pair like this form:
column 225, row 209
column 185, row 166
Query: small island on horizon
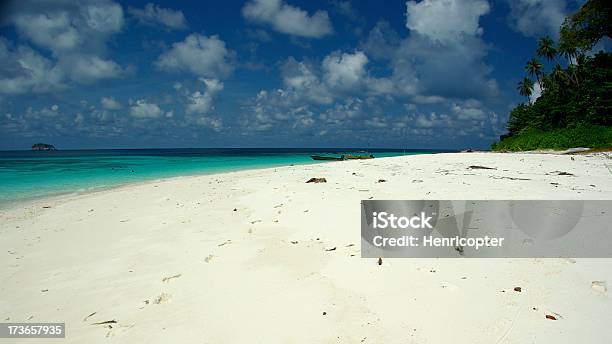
column 43, row 147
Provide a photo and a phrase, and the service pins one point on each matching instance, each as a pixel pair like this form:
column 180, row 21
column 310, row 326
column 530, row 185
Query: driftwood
column 477, row 167
column 317, row 180
column 510, row 178
column 559, row 173
column 105, row 322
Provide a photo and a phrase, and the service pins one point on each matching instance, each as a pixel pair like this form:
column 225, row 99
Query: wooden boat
column 322, row 157
column 358, row 157
column 342, row 157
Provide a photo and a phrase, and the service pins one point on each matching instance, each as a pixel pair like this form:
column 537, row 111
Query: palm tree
column 534, row 68
column 570, row 52
column 559, row 75
column 525, row 87
column 546, row 48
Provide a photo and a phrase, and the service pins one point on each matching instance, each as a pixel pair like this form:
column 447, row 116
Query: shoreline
column 94, row 190
column 68, row 195
column 9, row 204
column 174, row 259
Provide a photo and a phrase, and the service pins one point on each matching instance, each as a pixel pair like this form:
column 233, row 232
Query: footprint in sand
column 162, row 298
column 600, row 286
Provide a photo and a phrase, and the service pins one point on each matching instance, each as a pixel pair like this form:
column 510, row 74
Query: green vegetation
column 575, row 105
column 594, row 136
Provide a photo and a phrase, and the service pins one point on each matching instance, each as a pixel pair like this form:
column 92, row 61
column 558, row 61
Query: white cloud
column 203, row 56
column 350, row 108
column 469, row 110
column 303, row 83
column 43, row 113
column 143, row 109
column 200, row 105
column 84, row 68
column 536, row 18
column 345, row 8
column 446, row 20
column 537, row 92
column 345, row 70
column 430, row 121
column 439, row 65
column 202, row 102
column 66, row 26
column 338, row 75
column 213, row 123
column 288, row 19
column 376, row 122
column 443, row 57
column 24, row 70
column 154, row 14
column 278, row 107
column 75, row 33
column 109, row 103
column 52, row 31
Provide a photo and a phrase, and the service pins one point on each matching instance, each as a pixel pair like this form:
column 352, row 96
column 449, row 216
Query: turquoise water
column 28, row 174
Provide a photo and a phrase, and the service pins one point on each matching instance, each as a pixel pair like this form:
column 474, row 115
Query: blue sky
column 265, row 73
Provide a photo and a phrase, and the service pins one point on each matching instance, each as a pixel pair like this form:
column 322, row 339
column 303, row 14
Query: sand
column 245, row 257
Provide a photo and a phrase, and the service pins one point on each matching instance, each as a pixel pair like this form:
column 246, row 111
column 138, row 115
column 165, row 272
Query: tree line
column 574, row 83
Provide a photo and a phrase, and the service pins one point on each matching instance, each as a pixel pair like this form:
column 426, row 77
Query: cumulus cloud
column 439, row 61
column 154, row 14
column 469, row 110
column 337, row 75
column 89, row 68
column 66, row 26
column 198, row 54
column 200, row 105
column 446, row 20
column 213, row 123
column 287, row 19
column 143, row 109
column 45, row 112
column 202, row 102
column 302, row 82
column 109, row 103
column 22, row 70
column 430, row 121
column 271, row 109
column 444, row 54
column 439, row 65
column 345, row 70
column 376, row 122
column 536, row 18
column 345, row 8
column 350, row 108
column 74, row 33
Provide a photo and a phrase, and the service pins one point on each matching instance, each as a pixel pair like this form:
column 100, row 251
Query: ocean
column 28, row 175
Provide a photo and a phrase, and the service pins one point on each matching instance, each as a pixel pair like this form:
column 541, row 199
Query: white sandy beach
column 241, row 258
